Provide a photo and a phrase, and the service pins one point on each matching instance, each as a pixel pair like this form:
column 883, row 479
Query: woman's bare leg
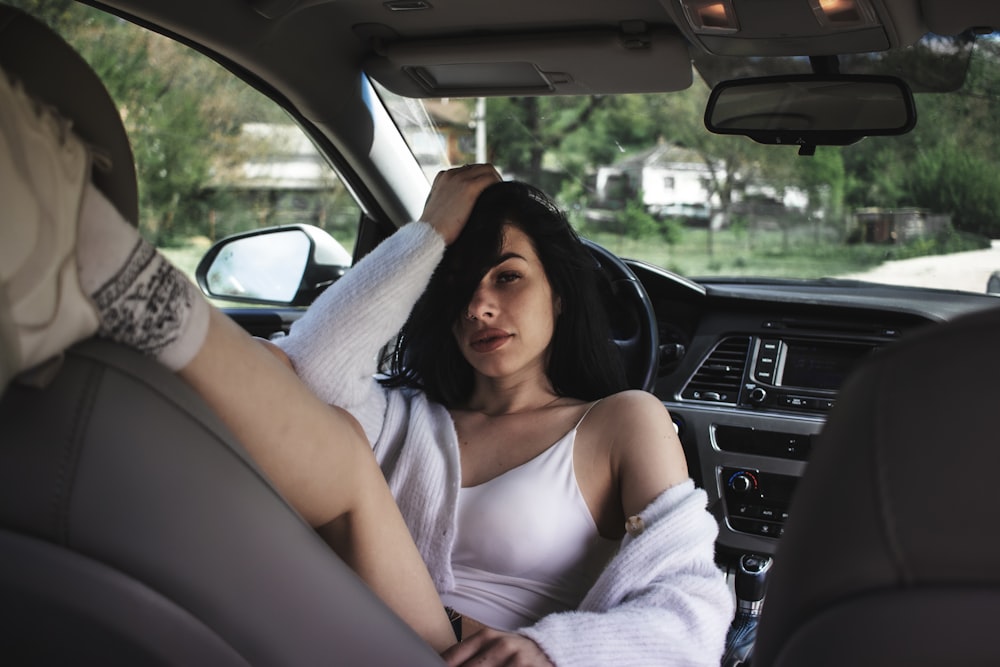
column 320, row 460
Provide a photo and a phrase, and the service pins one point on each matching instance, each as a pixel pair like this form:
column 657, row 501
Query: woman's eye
column 508, row 277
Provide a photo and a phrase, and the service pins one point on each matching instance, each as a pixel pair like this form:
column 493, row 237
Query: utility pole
column 480, row 120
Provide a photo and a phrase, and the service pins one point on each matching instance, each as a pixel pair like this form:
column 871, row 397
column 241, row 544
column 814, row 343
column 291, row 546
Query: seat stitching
column 883, row 486
column 66, row 471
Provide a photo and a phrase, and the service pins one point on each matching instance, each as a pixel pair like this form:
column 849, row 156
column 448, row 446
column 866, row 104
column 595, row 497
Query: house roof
column 663, row 154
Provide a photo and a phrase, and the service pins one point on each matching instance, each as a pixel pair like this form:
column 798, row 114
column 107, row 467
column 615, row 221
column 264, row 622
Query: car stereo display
column 818, row 365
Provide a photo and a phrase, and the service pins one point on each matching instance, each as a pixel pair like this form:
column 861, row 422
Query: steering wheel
column 633, row 322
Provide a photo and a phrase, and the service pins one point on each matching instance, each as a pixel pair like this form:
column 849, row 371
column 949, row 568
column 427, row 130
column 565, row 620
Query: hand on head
column 453, row 195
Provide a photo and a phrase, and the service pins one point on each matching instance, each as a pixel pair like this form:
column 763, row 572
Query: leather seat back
column 890, row 552
column 135, row 530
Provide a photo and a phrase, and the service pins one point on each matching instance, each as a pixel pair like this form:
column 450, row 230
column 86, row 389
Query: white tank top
column 526, row 543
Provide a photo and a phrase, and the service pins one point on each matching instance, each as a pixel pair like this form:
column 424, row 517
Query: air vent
column 720, row 376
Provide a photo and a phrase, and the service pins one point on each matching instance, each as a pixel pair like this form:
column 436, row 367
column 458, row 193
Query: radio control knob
column 743, row 482
column 757, row 395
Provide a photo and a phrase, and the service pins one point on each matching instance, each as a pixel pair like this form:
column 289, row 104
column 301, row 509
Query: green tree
column 949, row 178
column 531, row 127
column 163, row 118
column 60, row 15
column 636, row 222
column 944, row 164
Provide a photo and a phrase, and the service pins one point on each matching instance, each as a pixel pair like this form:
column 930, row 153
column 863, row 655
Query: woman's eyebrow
column 508, row 255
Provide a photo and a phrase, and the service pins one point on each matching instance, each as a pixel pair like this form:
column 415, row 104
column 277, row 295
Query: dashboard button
column 747, row 511
column 767, row 529
column 798, row 401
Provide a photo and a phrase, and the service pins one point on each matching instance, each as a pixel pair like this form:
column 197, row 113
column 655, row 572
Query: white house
column 277, row 157
column 674, row 181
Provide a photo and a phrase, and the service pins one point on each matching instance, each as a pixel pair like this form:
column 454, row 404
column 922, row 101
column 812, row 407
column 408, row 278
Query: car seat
column 889, row 556
column 134, row 529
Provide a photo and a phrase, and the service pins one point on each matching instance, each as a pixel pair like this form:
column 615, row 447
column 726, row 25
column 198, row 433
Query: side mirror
column 811, row 110
column 287, row 266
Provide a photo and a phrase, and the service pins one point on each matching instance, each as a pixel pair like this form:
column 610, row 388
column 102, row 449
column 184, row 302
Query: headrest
column 52, row 71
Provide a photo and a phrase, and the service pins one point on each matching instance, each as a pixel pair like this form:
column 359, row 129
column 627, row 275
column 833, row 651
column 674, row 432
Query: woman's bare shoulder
column 631, row 418
column 626, row 407
column 645, row 453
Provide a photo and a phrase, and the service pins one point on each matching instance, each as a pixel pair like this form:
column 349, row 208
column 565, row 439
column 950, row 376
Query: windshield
column 642, row 176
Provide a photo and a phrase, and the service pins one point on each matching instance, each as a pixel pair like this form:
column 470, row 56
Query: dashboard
column 750, row 370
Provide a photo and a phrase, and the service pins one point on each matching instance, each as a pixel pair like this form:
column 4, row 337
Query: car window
column 213, row 156
column 641, row 175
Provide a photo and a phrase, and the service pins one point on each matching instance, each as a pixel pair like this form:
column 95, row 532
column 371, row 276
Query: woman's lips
column 488, row 340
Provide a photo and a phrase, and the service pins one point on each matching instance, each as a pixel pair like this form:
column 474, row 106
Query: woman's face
column 509, row 322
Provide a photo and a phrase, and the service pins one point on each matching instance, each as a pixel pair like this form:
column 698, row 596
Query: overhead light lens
column 714, row 16
column 710, row 15
column 843, row 13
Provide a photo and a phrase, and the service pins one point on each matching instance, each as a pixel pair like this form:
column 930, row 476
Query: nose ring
column 469, row 316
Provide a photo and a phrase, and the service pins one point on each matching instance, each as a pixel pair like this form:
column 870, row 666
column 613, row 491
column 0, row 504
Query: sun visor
column 591, row 62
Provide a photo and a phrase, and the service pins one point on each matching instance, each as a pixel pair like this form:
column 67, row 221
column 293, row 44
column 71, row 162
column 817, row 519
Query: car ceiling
column 337, row 37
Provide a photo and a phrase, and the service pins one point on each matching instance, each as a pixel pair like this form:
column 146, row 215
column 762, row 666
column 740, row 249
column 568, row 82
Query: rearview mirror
column 287, row 265
column 811, row 110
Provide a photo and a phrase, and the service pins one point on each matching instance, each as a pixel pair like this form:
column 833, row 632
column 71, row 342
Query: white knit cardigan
column 660, row 601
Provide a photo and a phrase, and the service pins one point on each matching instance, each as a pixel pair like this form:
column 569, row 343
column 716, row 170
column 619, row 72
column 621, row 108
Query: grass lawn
column 770, row 254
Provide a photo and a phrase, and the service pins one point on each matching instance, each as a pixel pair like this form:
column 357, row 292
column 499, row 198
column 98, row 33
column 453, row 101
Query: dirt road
column 967, row 271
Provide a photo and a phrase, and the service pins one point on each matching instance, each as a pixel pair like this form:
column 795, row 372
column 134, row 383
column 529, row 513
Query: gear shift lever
column 751, row 583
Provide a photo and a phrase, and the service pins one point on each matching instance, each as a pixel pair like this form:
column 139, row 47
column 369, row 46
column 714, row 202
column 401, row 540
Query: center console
column 751, row 411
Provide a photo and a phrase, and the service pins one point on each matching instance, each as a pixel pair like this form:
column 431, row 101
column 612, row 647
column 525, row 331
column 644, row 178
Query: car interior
column 835, row 425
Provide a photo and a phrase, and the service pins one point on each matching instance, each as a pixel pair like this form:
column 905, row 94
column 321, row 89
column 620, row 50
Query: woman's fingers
column 493, row 648
column 453, row 195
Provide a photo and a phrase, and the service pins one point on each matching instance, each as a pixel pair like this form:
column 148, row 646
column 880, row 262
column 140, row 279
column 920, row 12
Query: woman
column 508, row 442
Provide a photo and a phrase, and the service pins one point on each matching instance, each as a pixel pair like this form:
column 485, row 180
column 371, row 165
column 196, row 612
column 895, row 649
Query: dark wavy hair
column 583, row 361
